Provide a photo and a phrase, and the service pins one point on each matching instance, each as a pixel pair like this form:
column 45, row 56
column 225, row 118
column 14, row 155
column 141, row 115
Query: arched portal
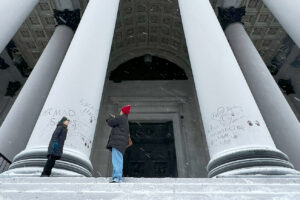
column 164, row 120
column 148, row 67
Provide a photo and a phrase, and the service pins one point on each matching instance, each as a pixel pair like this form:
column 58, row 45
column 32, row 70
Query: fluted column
column 288, row 14
column 13, row 14
column 278, row 115
column 76, row 93
column 19, row 123
column 237, row 137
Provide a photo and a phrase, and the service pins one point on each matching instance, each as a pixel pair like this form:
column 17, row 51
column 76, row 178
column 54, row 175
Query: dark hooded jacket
column 119, row 133
column 57, row 141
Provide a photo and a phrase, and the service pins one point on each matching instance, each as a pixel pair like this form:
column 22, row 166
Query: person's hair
column 63, row 119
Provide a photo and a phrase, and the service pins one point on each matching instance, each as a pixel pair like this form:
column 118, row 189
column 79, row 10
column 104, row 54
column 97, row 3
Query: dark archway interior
column 147, row 68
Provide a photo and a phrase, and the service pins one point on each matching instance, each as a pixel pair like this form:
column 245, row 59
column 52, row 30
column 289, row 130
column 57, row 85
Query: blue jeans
column 117, row 161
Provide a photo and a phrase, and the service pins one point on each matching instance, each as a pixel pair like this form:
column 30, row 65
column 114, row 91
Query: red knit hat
column 126, row 109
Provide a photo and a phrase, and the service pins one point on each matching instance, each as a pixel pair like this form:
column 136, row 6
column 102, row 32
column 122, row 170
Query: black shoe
column 44, row 175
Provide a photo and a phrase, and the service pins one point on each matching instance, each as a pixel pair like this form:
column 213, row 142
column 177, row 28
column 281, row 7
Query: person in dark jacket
column 118, row 141
column 56, row 145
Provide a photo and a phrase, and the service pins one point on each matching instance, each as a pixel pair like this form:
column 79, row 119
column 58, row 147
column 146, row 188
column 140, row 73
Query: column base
column 250, row 161
column 36, row 172
column 262, row 171
column 27, row 160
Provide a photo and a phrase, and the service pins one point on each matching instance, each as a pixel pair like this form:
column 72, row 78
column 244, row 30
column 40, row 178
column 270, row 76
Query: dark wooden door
column 153, row 151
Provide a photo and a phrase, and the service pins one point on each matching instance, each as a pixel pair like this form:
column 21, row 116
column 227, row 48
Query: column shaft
column 287, row 13
column 236, row 134
column 278, row 115
column 76, row 93
column 13, row 14
column 18, row 125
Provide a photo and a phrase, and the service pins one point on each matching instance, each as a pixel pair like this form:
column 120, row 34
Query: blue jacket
column 57, row 141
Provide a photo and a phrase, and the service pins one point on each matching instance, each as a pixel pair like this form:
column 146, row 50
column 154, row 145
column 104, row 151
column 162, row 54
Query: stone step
column 145, row 188
column 146, row 196
column 150, row 187
column 142, row 196
column 233, row 180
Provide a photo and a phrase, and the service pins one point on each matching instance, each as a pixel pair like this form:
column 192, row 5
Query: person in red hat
column 118, row 141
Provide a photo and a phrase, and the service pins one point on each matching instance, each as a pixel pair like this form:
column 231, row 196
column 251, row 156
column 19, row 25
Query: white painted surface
column 278, row 115
column 13, row 14
column 226, row 103
column 77, row 89
column 19, row 123
column 288, row 14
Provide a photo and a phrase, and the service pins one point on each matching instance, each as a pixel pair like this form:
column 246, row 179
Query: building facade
column 214, row 85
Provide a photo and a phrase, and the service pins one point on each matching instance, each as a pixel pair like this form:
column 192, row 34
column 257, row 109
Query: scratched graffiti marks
column 49, row 118
column 81, row 128
column 88, row 110
column 85, row 123
column 225, row 125
column 55, row 114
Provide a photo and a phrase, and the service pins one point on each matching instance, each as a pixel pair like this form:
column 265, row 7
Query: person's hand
column 112, row 115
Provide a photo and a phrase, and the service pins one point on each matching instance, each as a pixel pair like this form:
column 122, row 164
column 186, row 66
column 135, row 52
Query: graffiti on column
column 225, row 124
column 81, row 128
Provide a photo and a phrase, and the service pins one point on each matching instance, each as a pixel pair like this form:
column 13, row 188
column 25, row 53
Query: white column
column 237, row 136
column 13, row 14
column 18, row 125
column 278, row 115
column 287, row 12
column 76, row 93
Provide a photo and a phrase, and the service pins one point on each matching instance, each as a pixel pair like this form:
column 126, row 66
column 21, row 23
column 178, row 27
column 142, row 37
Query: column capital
column 3, row 64
column 230, row 15
column 68, row 18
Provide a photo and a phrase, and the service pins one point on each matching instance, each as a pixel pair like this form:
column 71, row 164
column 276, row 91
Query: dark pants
column 49, row 165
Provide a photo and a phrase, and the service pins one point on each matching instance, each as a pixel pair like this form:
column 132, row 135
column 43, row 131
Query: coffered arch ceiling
column 152, row 26
column 149, row 27
column 36, row 31
column 149, row 24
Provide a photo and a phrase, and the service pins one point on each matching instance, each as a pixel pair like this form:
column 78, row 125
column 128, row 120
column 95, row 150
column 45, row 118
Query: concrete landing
column 275, row 188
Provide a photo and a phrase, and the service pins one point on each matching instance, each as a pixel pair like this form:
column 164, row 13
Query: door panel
column 153, row 151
